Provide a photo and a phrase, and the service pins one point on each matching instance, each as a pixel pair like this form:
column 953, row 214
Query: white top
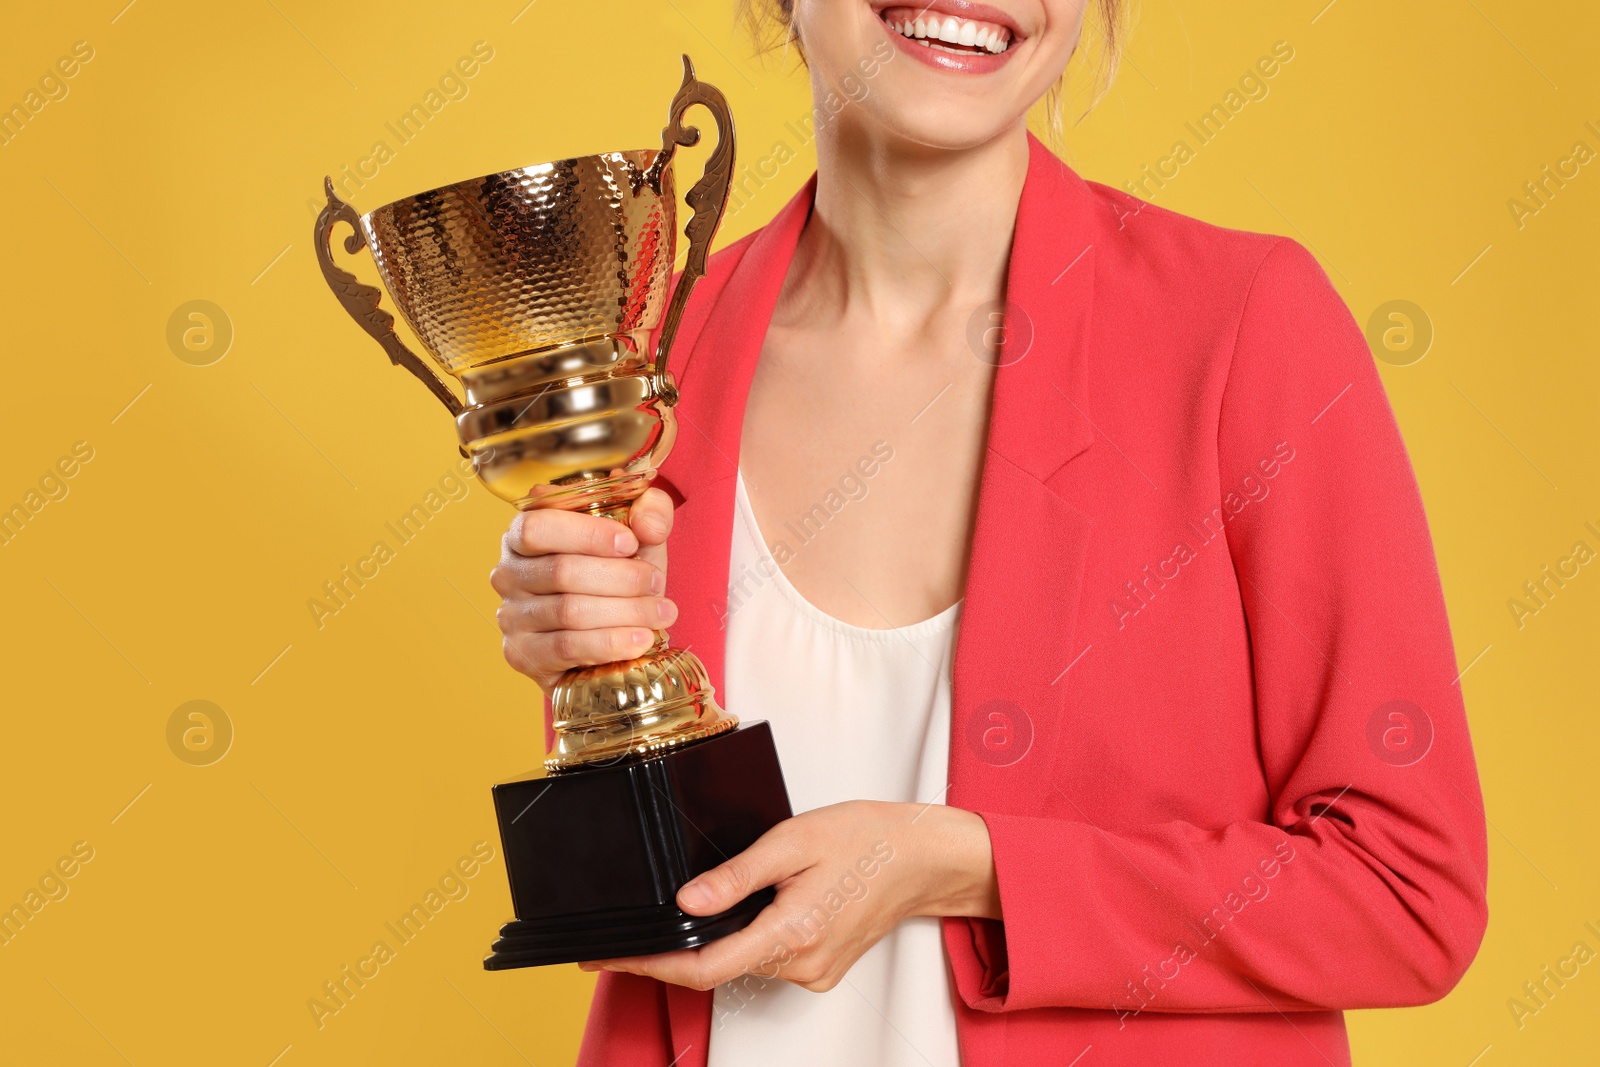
column 856, row 714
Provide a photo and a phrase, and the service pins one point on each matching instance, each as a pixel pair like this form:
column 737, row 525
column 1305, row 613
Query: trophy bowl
column 537, row 289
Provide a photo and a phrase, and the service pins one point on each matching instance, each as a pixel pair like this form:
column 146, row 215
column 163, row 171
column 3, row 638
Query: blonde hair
column 770, row 24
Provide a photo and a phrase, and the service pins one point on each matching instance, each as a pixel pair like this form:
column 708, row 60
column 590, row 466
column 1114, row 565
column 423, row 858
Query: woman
column 1104, row 649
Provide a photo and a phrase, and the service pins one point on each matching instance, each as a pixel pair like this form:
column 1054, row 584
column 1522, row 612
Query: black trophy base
column 609, row 935
column 596, row 855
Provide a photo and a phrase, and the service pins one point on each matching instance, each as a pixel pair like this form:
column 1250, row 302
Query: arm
column 1375, row 869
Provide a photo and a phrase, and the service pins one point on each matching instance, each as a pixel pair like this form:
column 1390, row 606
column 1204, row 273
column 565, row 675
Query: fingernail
column 625, row 544
column 694, row 895
column 658, row 582
column 667, row 610
column 642, row 638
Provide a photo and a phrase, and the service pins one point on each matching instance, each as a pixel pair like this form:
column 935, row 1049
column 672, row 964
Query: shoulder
column 1201, row 310
column 1153, row 243
column 1201, row 272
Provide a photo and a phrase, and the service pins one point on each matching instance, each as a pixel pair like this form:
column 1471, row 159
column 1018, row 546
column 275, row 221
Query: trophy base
column 577, row 938
column 596, row 855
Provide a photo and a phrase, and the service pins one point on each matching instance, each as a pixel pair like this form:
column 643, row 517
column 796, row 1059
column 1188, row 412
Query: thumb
column 650, row 517
column 723, row 886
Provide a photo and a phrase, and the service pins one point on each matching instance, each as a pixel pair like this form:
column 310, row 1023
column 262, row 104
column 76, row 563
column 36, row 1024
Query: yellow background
column 185, row 164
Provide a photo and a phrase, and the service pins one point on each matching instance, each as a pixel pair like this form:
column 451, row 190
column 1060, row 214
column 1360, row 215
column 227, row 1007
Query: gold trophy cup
column 534, row 293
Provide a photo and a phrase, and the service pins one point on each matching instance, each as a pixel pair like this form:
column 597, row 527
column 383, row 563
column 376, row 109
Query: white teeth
column 980, row 36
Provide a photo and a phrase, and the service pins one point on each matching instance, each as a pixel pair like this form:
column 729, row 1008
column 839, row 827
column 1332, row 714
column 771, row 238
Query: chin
column 904, row 107
column 951, row 128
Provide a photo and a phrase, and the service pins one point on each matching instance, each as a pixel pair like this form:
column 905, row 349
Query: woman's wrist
column 951, row 846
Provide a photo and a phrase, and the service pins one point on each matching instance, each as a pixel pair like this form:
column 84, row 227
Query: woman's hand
column 846, row 875
column 574, row 592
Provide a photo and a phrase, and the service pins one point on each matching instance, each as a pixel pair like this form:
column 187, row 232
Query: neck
column 899, row 231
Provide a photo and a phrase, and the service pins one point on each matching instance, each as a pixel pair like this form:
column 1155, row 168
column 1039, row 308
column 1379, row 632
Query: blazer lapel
column 1010, row 680
column 714, row 378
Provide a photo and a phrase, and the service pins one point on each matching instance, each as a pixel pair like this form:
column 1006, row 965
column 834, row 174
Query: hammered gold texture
column 524, row 259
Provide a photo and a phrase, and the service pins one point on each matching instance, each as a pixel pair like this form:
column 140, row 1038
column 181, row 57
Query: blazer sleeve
column 1374, row 857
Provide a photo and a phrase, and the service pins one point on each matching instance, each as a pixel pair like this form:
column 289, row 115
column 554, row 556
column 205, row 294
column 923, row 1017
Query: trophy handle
column 361, row 301
column 708, row 198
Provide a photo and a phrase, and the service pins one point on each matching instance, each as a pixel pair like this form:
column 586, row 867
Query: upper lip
column 961, row 9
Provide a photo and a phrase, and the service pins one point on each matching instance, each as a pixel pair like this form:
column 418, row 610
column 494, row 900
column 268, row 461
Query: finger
column 675, row 968
column 651, row 517
column 656, row 556
column 576, row 611
column 758, row 949
column 518, row 659
column 651, row 520
column 546, row 530
column 552, row 653
column 572, row 573
column 776, row 855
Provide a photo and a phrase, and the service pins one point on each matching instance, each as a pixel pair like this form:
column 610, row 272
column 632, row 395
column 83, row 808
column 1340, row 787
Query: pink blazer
column 1205, row 695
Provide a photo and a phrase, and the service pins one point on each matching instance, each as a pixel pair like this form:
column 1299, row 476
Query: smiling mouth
column 962, row 37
